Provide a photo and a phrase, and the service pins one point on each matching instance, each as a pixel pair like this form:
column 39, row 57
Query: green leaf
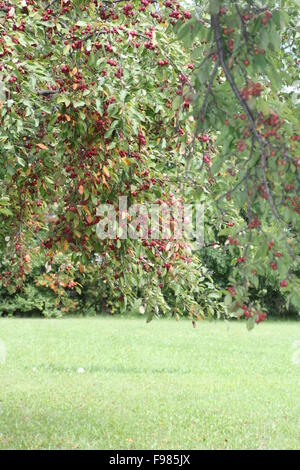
column 5, row 211
column 214, row 6
column 79, row 104
column 250, row 323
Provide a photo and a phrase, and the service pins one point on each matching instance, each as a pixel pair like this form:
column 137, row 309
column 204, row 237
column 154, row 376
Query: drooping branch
column 47, row 92
column 217, row 34
column 200, row 116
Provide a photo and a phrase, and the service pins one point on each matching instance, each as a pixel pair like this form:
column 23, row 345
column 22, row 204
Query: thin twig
column 47, row 92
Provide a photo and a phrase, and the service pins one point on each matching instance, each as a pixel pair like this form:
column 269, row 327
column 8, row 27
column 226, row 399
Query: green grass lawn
column 163, row 385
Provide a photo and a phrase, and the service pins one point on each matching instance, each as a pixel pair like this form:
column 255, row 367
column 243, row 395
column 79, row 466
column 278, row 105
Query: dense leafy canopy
column 160, row 103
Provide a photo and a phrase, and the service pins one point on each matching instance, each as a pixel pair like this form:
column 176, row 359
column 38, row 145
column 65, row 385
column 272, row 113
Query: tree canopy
column 162, row 102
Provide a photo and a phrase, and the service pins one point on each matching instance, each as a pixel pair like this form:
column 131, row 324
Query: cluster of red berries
column 273, row 265
column 258, row 51
column 187, row 15
column 119, row 73
column 149, row 45
column 112, row 62
column 241, row 146
column 162, row 63
column 65, row 69
column 228, row 31
column 77, row 44
column 253, row 89
column 246, row 17
column 230, row 44
column 141, row 139
column 247, row 313
column 267, row 16
column 128, row 10
column 21, row 27
column 231, row 290
column 273, row 120
column 241, row 116
column 185, row 105
column 295, row 204
column 274, row 123
column 260, row 317
column 255, row 223
column 204, row 138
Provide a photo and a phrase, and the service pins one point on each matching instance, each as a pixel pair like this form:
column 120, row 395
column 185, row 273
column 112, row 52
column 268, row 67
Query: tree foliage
column 160, row 103
column 88, row 117
column 244, row 87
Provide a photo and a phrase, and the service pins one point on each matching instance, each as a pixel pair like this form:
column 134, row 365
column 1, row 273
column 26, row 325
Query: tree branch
column 217, row 33
column 47, row 92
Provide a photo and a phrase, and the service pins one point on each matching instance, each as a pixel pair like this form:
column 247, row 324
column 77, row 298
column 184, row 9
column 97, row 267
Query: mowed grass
column 162, row 385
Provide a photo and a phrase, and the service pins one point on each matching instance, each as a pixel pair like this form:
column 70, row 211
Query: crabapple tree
column 162, row 103
column 86, row 117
